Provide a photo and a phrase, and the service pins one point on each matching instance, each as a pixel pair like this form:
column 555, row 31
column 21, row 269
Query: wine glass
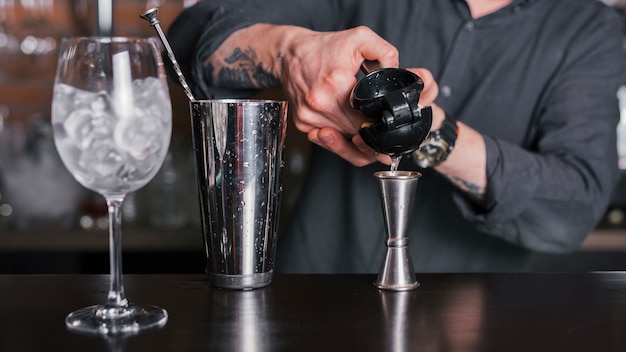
column 112, row 123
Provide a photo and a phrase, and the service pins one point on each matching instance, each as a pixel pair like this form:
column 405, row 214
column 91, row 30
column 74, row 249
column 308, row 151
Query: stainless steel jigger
column 397, row 190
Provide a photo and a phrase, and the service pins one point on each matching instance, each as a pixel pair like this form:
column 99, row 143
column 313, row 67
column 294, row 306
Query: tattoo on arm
column 243, row 70
column 474, row 191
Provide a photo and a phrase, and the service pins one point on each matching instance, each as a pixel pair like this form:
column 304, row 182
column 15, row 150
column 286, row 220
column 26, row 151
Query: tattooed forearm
column 243, row 70
column 472, row 190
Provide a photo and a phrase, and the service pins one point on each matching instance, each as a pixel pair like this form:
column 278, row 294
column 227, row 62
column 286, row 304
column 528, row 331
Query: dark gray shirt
column 537, row 79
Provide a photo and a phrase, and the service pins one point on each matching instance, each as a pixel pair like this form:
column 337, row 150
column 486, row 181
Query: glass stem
column 116, row 297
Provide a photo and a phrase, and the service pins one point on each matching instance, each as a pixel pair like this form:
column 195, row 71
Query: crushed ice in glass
column 98, row 143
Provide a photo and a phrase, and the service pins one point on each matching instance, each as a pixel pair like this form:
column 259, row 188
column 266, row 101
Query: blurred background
column 48, row 222
column 51, row 224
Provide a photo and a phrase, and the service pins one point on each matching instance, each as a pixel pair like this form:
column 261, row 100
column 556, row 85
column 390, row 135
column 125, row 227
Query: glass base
column 241, row 282
column 103, row 319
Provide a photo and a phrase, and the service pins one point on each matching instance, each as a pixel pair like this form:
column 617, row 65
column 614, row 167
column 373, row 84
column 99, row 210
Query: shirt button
column 469, row 26
column 445, row 91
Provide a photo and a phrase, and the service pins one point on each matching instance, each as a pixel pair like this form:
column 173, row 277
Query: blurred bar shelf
column 133, row 239
column 190, row 238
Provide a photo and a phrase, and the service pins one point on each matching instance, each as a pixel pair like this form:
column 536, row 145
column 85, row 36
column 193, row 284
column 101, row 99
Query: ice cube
column 68, row 99
column 150, row 97
column 85, row 125
column 102, row 157
column 139, row 136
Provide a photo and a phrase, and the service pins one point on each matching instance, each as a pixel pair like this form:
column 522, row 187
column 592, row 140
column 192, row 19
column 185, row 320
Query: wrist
column 438, row 145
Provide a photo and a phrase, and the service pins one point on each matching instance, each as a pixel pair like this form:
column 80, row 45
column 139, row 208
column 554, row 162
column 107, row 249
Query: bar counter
column 448, row 312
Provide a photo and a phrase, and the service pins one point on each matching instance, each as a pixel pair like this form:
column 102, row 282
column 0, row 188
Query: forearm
column 466, row 166
column 250, row 58
column 542, row 202
column 200, row 30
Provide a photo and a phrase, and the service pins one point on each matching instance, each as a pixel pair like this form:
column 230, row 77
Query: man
column 529, row 85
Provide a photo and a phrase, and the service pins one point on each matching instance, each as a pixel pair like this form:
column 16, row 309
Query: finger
column 333, row 141
column 328, row 106
column 360, row 144
column 375, row 48
column 431, row 88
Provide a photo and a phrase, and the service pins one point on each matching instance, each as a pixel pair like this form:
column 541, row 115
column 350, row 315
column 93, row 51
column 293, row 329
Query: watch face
column 434, row 150
column 431, row 152
column 437, row 145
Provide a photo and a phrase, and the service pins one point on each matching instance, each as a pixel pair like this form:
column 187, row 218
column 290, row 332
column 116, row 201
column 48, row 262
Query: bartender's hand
column 319, row 74
column 317, row 71
column 465, row 167
column 354, row 149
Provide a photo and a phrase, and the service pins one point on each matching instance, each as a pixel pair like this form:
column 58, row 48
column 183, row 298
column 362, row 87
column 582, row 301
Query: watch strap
column 449, row 131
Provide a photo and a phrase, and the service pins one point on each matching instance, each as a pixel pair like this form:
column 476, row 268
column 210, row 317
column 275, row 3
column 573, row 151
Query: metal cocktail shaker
column 238, row 146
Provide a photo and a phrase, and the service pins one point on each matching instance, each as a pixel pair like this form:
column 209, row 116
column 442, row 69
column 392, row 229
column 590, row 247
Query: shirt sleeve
column 549, row 195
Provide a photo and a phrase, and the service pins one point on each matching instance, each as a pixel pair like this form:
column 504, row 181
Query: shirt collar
column 515, row 6
column 492, row 18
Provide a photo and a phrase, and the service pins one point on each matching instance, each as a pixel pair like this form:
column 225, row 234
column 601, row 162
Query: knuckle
column 303, row 119
column 302, row 126
column 362, row 31
column 392, row 52
column 335, row 80
column 316, row 100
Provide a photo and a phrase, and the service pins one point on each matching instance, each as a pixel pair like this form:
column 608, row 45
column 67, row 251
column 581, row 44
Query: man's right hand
column 317, row 71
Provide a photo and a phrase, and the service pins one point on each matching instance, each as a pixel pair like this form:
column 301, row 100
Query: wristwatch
column 438, row 144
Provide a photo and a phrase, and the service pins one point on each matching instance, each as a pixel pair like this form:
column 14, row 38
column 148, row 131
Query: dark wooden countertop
column 449, row 312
